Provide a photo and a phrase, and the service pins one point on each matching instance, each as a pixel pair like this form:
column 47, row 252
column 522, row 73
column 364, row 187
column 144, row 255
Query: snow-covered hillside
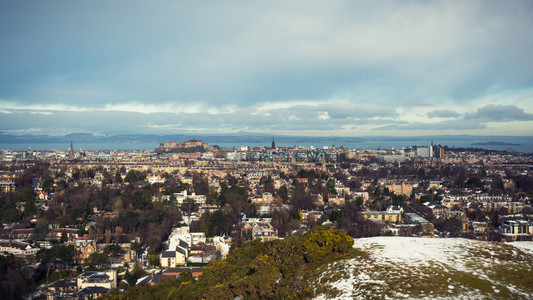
column 404, row 267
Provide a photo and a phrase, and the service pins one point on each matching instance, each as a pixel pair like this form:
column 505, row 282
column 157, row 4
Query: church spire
column 71, row 150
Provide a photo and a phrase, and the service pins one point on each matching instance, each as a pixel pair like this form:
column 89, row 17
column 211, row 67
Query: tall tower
column 273, row 143
column 71, row 150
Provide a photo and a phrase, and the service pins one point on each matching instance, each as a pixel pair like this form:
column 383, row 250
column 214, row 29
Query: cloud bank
column 298, row 67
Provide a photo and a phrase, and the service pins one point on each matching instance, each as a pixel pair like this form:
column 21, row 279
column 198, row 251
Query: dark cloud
column 443, row 114
column 468, row 121
column 499, row 113
column 459, row 125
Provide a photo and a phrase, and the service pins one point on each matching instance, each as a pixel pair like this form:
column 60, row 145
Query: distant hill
column 404, row 267
column 492, row 143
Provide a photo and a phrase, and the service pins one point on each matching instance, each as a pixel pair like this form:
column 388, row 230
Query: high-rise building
column 273, row 143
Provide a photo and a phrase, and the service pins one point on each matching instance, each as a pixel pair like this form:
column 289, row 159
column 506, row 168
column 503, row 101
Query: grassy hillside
column 326, row 264
column 401, row 267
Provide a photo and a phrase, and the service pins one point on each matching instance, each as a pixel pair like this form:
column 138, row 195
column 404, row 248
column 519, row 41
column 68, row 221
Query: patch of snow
column 397, row 260
column 417, row 251
column 524, row 246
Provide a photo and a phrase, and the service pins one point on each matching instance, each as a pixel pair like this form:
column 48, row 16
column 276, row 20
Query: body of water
column 520, row 144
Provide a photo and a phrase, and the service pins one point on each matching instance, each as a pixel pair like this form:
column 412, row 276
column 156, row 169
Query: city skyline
column 342, row 68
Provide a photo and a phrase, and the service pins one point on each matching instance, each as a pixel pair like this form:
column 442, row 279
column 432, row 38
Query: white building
column 183, row 234
column 107, row 279
column 198, row 199
column 425, row 151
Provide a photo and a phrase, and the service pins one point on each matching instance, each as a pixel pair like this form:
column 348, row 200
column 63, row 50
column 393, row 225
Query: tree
column 48, row 185
column 268, row 184
column 59, row 256
column 97, row 260
column 359, row 201
column 283, row 193
column 118, row 177
column 217, row 223
column 113, row 251
column 41, row 231
column 131, row 177
column 9, row 212
column 200, row 184
column 189, row 206
column 300, row 198
column 330, row 185
column 153, row 259
column 452, row 225
column 14, row 282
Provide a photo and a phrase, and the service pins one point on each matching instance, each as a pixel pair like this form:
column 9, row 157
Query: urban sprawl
column 83, row 223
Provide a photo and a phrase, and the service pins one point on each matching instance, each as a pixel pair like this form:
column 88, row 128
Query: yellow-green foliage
column 257, row 270
column 321, row 242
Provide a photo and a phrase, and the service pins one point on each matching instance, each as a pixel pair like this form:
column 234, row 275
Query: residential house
column 91, row 292
column 363, row 195
column 23, row 234
column 393, row 214
column 312, row 216
column 62, row 289
column 183, row 233
column 92, row 285
column 336, row 199
column 514, row 229
column 437, row 209
column 198, row 199
column 260, row 228
column 17, row 248
column 70, row 234
column 176, row 255
column 84, row 248
column 400, row 188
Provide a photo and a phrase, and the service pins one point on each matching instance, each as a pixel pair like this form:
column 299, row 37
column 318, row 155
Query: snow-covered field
column 524, row 246
column 405, row 267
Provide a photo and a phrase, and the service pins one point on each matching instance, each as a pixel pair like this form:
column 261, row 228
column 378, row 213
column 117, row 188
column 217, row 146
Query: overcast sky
column 345, row 68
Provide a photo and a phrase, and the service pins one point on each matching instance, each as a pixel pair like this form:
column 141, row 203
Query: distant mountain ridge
column 495, row 143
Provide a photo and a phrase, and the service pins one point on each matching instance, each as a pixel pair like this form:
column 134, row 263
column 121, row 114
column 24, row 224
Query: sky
column 321, row 68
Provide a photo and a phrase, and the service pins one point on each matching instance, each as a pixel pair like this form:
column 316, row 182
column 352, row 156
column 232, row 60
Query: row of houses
column 186, row 247
column 17, row 248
